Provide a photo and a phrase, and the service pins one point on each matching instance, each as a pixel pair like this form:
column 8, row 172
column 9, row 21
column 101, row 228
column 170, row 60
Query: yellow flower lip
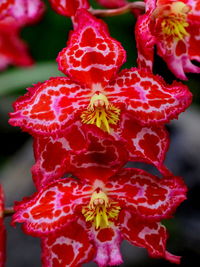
column 100, row 112
column 100, row 211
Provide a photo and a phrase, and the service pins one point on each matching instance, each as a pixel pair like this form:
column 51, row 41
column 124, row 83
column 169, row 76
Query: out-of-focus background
column 45, row 40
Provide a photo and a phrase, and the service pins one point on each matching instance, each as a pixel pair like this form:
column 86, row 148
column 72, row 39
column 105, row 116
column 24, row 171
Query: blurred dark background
column 45, row 40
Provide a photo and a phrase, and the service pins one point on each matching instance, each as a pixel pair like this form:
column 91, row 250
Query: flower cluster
column 92, row 122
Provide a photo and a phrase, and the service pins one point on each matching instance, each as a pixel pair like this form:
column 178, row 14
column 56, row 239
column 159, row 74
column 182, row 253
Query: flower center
column 100, row 112
column 172, row 20
column 100, row 211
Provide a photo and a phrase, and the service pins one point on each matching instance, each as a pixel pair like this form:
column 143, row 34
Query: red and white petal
column 52, row 208
column 49, row 107
column 147, row 98
column 145, row 43
column 103, row 157
column 91, row 57
column 2, row 230
column 146, row 195
column 107, row 242
column 144, row 143
column 5, row 7
column 69, row 247
column 68, row 7
column 13, row 51
column 152, row 236
column 52, row 154
column 112, row 3
column 26, row 11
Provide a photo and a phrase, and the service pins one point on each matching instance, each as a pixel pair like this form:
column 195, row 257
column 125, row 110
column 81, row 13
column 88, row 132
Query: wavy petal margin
column 148, row 99
column 52, row 208
column 49, row 107
column 146, row 195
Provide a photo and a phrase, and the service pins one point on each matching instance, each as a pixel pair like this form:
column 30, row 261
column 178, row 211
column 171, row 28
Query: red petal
column 2, row 230
column 68, row 7
column 103, row 157
column 48, row 107
column 112, row 3
column 70, row 247
column 92, row 56
column 145, row 42
column 148, row 99
column 144, row 143
column 107, row 242
column 52, row 208
column 12, row 49
column 52, row 154
column 146, row 195
column 151, row 236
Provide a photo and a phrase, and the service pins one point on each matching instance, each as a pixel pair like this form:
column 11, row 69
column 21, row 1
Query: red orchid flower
column 13, row 51
column 79, row 221
column 68, row 7
column 132, row 105
column 24, row 11
column 174, row 27
column 2, row 230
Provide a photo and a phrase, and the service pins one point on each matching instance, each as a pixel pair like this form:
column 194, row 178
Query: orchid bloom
column 131, row 106
column 24, row 11
column 174, row 27
column 2, row 230
column 80, row 221
column 13, row 51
